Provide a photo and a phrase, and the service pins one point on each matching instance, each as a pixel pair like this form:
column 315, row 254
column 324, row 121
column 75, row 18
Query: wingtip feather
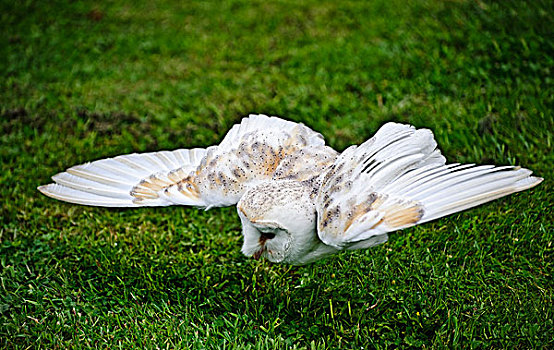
column 42, row 189
column 529, row 182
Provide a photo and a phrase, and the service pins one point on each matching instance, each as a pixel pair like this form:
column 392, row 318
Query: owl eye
column 268, row 231
column 268, row 234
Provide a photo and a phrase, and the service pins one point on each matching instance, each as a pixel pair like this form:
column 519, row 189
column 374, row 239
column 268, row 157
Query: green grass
column 86, row 80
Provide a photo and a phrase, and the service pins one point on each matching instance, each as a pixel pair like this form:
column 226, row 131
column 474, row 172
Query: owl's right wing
column 258, row 149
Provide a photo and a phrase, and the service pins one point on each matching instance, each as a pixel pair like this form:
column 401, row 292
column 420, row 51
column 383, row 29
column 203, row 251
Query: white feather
column 402, row 168
column 109, row 182
column 67, row 194
column 463, row 193
column 162, row 178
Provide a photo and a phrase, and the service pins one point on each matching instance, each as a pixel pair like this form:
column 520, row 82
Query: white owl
column 298, row 200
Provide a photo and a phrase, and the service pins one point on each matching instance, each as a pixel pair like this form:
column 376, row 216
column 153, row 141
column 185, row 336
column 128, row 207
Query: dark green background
column 87, row 80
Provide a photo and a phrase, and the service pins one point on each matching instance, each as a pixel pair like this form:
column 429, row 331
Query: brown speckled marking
column 356, row 212
column 305, row 164
column 176, row 175
column 144, row 195
column 272, row 160
column 403, row 214
column 253, row 159
column 378, row 201
column 224, row 175
column 330, row 216
column 262, row 199
column 154, row 186
column 148, row 188
column 399, row 214
column 188, row 188
column 238, row 173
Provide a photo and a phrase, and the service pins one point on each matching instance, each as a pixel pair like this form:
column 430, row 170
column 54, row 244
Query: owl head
column 278, row 221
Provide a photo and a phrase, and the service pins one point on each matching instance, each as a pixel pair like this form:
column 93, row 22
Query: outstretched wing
column 398, row 179
column 130, row 180
column 257, row 149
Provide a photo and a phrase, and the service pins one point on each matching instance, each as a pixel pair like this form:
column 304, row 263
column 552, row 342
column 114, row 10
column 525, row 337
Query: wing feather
column 398, row 179
column 251, row 152
column 124, row 181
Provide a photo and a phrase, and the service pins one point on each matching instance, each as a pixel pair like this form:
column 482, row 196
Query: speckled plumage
column 298, row 200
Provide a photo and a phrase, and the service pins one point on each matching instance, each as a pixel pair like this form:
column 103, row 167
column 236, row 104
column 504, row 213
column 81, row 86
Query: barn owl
column 298, row 200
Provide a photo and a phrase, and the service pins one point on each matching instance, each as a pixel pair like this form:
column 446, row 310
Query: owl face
column 265, row 239
column 278, row 222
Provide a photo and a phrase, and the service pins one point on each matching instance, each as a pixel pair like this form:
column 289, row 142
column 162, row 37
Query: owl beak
column 258, row 254
column 264, row 237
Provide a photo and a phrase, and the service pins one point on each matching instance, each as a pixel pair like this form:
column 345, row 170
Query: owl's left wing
column 398, row 179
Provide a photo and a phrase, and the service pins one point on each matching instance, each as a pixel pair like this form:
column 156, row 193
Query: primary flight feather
column 298, row 200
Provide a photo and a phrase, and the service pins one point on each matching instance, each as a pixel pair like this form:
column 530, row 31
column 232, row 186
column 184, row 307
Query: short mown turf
column 86, row 80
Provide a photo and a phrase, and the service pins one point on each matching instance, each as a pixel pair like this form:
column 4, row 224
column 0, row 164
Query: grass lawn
column 84, row 80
